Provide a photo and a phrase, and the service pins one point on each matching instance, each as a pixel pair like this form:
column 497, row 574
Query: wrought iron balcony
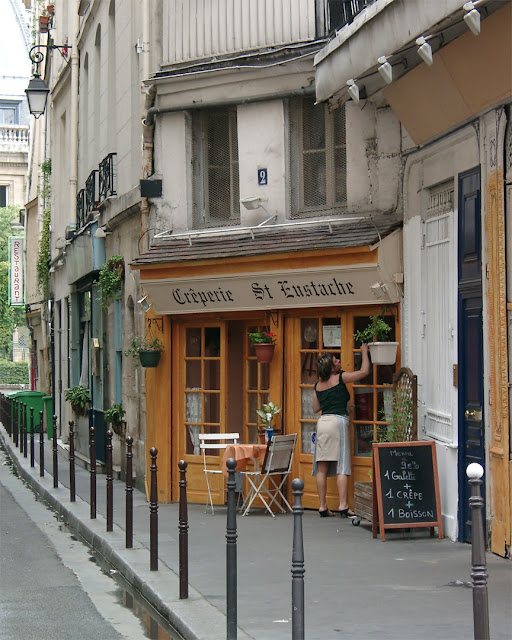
column 342, row 12
column 90, row 192
column 106, row 177
column 80, row 209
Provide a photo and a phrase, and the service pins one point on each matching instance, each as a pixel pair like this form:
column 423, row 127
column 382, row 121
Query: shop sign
column 16, row 289
column 271, row 290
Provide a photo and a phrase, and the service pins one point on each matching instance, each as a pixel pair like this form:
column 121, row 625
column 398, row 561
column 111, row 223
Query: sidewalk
column 411, row 586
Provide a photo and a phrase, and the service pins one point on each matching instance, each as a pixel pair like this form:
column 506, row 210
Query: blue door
column 470, row 349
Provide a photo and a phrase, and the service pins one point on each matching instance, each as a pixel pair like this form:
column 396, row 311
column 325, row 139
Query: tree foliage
column 10, row 317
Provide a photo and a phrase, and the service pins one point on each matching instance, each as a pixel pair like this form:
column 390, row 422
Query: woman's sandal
column 326, row 513
column 344, row 513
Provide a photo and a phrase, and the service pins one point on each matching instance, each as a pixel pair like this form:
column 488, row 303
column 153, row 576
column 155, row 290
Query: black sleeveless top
column 335, row 399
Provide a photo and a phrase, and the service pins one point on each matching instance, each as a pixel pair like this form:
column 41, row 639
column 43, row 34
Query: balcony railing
column 90, row 192
column 80, row 209
column 342, row 12
column 14, row 138
column 106, row 177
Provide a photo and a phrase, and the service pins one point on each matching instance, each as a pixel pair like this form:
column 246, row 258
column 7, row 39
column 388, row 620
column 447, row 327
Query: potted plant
column 79, row 397
column 376, row 334
column 266, row 414
column 115, row 416
column 110, row 278
column 146, row 350
column 264, row 344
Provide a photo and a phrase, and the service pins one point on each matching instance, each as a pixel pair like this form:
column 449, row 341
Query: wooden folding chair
column 214, row 442
column 277, row 462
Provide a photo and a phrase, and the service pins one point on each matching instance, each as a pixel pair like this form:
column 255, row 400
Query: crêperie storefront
column 310, row 286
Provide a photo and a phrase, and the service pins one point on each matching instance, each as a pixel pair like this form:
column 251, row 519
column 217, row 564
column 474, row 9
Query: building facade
column 454, row 102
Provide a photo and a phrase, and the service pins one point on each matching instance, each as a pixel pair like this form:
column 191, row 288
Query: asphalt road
column 47, row 594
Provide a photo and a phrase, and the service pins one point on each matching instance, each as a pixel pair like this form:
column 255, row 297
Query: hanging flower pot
column 44, row 24
column 149, row 358
column 264, row 351
column 51, row 9
column 383, row 352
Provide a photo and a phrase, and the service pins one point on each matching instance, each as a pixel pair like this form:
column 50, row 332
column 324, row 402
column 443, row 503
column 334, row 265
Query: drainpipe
column 73, row 125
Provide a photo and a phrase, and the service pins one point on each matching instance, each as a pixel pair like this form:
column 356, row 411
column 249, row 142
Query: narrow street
column 60, row 595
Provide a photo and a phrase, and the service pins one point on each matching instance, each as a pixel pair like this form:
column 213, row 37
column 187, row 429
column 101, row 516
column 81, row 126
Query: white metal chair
column 214, row 442
column 278, row 462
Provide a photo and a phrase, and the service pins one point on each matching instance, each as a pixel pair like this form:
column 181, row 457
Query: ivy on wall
column 43, row 269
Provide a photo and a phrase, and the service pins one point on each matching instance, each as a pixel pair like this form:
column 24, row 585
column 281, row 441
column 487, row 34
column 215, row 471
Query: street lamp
column 37, row 90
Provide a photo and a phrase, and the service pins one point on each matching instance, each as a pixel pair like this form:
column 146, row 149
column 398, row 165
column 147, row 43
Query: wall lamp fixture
column 37, row 90
column 472, row 17
column 252, row 202
column 101, row 232
column 385, row 69
column 425, row 50
column 145, row 304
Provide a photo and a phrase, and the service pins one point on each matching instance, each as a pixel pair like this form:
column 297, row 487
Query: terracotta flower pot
column 264, row 351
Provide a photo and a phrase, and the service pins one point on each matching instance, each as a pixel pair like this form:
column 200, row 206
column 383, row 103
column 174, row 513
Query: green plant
column 110, row 279
column 43, row 258
column 262, row 337
column 79, row 397
column 267, row 409
column 115, row 416
column 143, row 344
column 399, row 420
column 378, row 328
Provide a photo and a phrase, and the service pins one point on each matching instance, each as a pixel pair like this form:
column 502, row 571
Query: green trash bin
column 31, row 399
column 48, row 411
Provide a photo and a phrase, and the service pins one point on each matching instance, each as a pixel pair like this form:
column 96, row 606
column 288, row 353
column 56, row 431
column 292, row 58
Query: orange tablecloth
column 243, row 453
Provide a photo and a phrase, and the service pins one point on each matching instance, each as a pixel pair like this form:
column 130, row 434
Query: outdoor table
column 243, row 454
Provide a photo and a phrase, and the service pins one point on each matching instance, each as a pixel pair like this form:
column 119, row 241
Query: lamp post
column 37, row 90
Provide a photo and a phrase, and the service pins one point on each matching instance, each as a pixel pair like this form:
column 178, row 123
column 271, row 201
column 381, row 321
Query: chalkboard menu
column 406, row 486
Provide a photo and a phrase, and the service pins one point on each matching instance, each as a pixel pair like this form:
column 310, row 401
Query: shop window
column 257, row 387
column 318, row 182
column 215, row 162
column 202, row 384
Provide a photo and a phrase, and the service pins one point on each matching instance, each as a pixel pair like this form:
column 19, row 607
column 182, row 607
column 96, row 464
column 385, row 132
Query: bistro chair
column 214, row 442
column 277, row 464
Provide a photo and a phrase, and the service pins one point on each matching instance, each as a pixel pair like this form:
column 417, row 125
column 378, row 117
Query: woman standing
column 332, row 443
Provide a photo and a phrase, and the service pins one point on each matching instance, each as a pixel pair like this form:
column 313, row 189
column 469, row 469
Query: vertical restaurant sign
column 16, row 288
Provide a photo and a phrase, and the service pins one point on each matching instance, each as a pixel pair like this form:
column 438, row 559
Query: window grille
column 216, row 179
column 318, row 160
column 342, row 12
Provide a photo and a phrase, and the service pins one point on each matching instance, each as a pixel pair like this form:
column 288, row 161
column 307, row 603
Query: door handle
column 474, row 414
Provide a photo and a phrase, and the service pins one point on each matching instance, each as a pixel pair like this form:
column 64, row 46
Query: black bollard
column 153, row 513
column 297, row 563
column 55, row 458
column 129, row 493
column 231, row 560
column 15, row 421
column 475, row 472
column 32, row 452
column 183, row 531
column 110, row 483
column 24, row 429
column 41, row 445
column 92, row 456
column 72, row 492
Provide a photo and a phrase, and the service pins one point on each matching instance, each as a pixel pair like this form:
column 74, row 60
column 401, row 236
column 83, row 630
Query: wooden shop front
column 209, row 379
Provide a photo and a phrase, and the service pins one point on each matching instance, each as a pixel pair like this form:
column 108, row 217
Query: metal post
column 24, row 427
column 183, row 531
column 15, row 422
column 297, row 563
column 231, row 559
column 475, row 472
column 129, row 493
column 72, row 492
column 41, row 445
column 32, row 435
column 110, row 484
column 55, row 462
column 153, row 513
column 92, row 456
